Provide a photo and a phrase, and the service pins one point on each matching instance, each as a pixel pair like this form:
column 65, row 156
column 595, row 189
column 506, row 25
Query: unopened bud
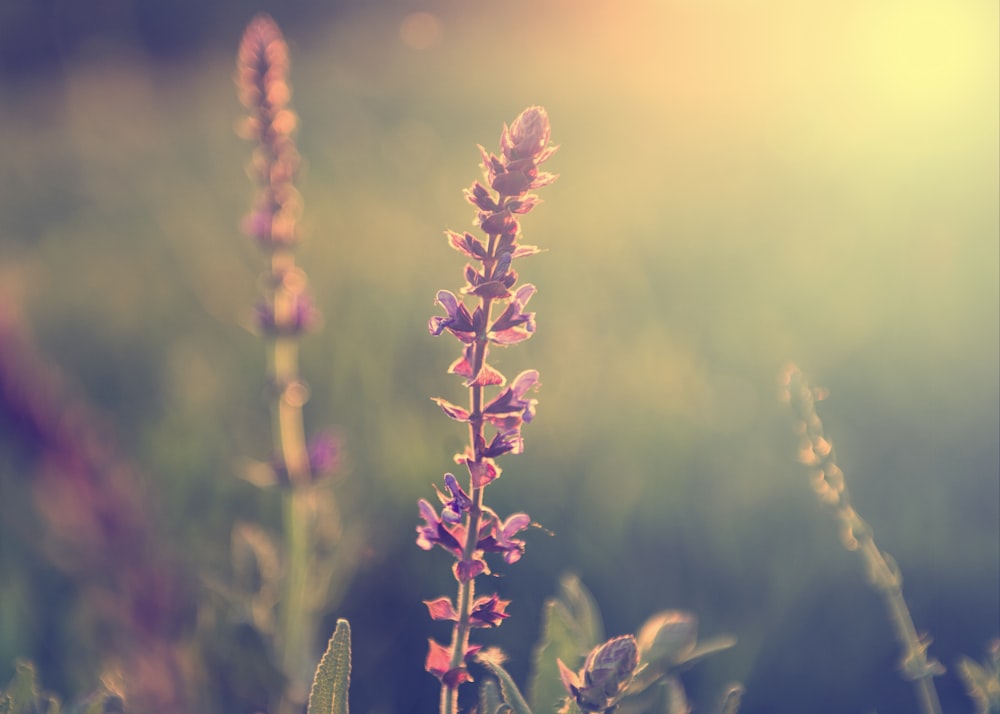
column 528, row 135
column 606, row 672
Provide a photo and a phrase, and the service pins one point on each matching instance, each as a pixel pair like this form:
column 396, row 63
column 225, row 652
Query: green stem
column 466, row 590
column 828, row 482
column 888, row 582
column 289, row 444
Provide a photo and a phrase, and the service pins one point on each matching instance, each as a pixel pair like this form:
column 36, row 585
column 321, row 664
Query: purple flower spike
column 495, row 412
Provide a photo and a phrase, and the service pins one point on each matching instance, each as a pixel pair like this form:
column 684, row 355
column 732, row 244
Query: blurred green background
column 742, row 184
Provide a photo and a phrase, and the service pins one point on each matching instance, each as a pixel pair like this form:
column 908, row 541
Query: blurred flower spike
column 496, row 316
column 262, row 83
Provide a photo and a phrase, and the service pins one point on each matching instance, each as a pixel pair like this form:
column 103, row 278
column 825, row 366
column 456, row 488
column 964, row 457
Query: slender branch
column 284, row 315
column 816, row 452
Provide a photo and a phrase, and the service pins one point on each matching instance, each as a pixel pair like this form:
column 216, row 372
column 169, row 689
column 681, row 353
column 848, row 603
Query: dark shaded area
column 43, row 35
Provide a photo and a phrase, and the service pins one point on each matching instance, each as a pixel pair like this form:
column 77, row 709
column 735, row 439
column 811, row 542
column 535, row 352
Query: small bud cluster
column 466, row 528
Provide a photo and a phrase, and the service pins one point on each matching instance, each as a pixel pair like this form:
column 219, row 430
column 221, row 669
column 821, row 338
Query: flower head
column 262, row 83
column 528, row 135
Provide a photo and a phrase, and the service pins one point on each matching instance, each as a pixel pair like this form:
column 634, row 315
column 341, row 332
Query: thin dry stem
column 817, row 453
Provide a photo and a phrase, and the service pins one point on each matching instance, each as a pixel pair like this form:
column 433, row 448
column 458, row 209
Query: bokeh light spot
column 421, row 30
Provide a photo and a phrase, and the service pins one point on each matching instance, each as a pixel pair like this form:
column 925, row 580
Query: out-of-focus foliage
column 983, row 680
column 22, row 696
column 741, row 184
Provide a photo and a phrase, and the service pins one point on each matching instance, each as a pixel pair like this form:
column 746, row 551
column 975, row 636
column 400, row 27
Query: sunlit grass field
column 742, row 184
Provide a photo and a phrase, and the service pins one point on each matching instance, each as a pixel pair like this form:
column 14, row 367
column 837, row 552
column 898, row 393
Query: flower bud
column 528, row 135
column 610, row 666
column 606, row 673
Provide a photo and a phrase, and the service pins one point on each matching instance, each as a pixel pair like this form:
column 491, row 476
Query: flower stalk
column 284, row 315
column 466, row 527
column 817, row 453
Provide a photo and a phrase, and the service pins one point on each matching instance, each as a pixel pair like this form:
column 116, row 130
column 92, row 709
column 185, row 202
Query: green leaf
column 677, row 702
column 571, row 627
column 583, row 608
column 511, row 694
column 23, row 688
column 708, row 647
column 332, row 680
column 489, row 698
column 23, row 697
column 983, row 689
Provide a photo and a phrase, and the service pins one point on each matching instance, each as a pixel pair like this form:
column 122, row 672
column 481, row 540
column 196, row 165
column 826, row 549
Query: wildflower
column 466, row 528
column 262, row 83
